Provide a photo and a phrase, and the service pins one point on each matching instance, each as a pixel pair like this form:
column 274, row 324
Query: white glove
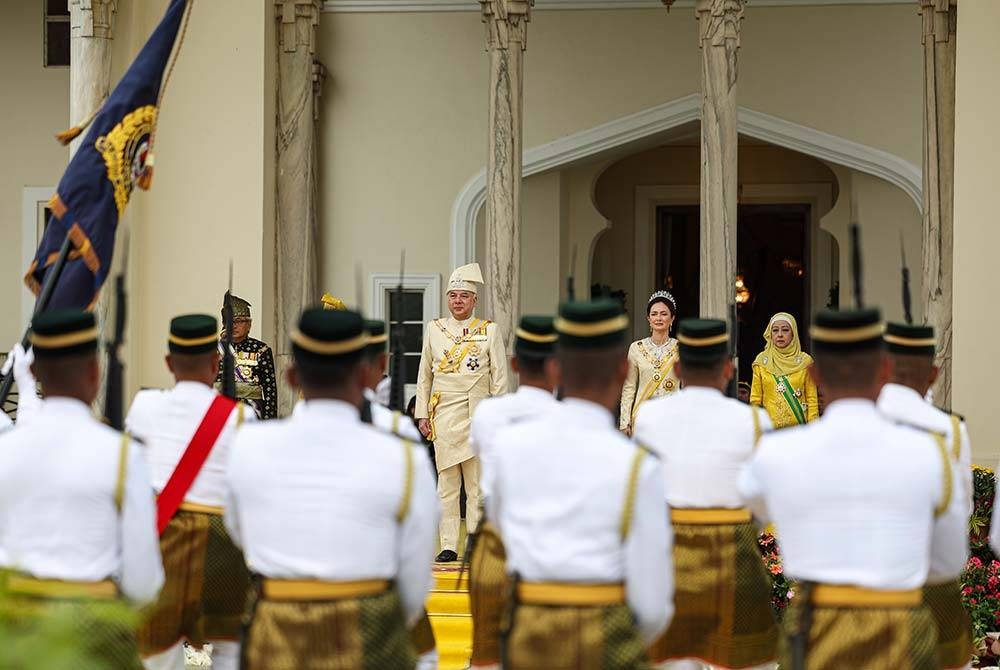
column 20, row 360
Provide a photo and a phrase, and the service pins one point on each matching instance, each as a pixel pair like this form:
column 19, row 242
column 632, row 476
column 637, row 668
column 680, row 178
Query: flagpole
column 44, row 296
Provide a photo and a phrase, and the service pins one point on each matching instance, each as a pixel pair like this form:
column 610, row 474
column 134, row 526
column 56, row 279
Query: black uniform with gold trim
column 256, row 382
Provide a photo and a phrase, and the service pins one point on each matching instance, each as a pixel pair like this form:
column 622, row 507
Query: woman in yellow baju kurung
column 650, row 360
column 781, row 381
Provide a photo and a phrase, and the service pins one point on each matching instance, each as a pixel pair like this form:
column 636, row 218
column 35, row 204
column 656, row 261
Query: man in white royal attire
column 463, row 361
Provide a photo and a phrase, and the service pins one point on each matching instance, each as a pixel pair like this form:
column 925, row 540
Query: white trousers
column 225, row 656
column 428, row 661
column 449, row 487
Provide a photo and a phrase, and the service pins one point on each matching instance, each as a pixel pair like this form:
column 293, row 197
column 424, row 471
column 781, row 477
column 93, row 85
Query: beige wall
column 404, row 124
column 35, row 107
column 977, row 236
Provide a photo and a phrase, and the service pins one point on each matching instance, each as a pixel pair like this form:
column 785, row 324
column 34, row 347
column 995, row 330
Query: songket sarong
column 488, row 589
column 954, row 627
column 861, row 628
column 67, row 625
column 422, row 635
column 206, row 581
column 598, row 633
column 722, row 593
column 304, row 625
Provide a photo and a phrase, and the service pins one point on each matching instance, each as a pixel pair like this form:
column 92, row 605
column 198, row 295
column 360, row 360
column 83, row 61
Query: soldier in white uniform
column 77, row 515
column 394, row 423
column 462, row 362
column 373, row 411
column 867, row 510
column 206, row 579
column 580, row 511
column 911, row 356
column 336, row 517
column 534, row 346
column 723, row 594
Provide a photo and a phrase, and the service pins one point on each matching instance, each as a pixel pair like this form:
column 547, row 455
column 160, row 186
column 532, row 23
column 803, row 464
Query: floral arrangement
column 981, row 577
column 782, row 590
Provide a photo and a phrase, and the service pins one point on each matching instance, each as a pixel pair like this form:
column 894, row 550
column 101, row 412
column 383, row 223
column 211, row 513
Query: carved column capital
column 719, row 27
column 93, row 18
column 939, row 18
column 506, row 22
column 297, row 21
column 719, row 22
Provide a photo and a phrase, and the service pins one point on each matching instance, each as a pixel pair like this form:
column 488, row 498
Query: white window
column 34, row 217
column 56, row 33
column 419, row 303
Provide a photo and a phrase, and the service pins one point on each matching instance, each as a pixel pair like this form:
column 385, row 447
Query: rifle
column 228, row 358
column 734, row 340
column 114, row 409
column 907, row 301
column 570, row 290
column 397, row 364
column 41, row 304
column 856, row 265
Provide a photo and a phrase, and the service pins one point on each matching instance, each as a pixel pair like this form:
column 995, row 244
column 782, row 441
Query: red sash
column 193, row 459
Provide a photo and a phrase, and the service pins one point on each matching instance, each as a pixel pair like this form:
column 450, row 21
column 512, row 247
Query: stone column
column 719, row 39
column 92, row 25
column 299, row 78
column 506, row 34
column 939, row 21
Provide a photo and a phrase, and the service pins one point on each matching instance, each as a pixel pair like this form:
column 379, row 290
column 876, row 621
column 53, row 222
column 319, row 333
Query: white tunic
column 57, row 510
column 703, row 439
column 853, row 496
column 391, row 421
column 315, row 496
column 166, row 421
column 493, row 414
column 903, row 404
column 559, row 493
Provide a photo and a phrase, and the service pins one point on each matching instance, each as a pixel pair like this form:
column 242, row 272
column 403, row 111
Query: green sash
column 790, row 399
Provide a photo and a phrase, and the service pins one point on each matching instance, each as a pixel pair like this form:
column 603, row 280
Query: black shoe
column 446, row 556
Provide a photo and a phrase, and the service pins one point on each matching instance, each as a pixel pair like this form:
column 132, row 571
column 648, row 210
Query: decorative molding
column 655, row 120
column 33, row 201
column 378, row 6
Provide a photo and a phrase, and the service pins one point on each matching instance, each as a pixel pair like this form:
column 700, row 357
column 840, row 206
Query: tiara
column 665, row 295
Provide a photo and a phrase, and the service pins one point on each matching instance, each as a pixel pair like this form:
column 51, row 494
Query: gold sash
column 570, row 595
column 715, row 516
column 63, row 590
column 835, row 595
column 313, row 589
column 652, row 385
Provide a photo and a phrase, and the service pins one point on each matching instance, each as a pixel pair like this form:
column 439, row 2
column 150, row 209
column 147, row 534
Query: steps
column 451, row 618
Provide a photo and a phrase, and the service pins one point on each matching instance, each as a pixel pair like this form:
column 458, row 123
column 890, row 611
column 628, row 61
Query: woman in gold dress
column 651, row 360
column 781, row 382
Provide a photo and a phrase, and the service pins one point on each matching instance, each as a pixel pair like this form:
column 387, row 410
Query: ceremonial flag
column 114, row 157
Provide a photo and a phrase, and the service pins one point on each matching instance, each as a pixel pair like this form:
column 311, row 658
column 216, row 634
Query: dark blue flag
column 114, row 157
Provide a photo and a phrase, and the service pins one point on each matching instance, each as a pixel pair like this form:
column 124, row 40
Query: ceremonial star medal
column 781, row 387
column 472, row 363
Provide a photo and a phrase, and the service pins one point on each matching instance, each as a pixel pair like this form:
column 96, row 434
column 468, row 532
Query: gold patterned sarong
column 873, row 638
column 488, row 588
column 42, row 627
column 422, row 635
column 722, row 595
column 954, row 627
column 205, row 588
column 548, row 637
column 365, row 633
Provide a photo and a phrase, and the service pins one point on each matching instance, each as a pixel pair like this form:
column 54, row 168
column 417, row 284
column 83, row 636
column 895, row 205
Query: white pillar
column 299, row 79
column 719, row 39
column 92, row 25
column 938, row 36
column 506, row 34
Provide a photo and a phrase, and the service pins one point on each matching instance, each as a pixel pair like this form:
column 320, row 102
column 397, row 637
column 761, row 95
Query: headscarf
column 785, row 361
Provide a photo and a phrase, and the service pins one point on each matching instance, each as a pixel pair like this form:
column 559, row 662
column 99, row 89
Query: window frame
column 54, row 18
column 381, row 283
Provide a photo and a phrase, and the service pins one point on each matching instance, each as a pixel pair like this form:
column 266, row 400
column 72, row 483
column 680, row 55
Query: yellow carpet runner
column 451, row 618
